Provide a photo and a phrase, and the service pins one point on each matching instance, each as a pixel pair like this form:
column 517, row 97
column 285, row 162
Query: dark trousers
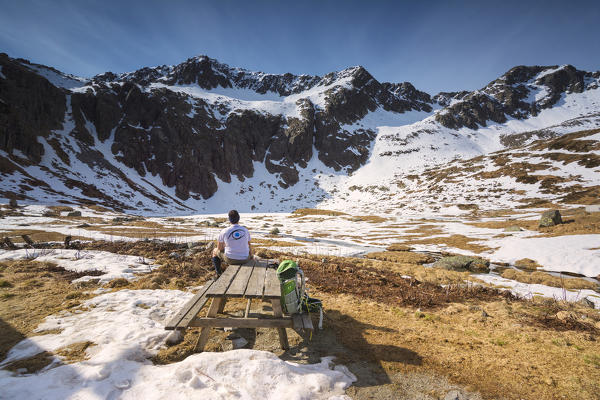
column 222, row 257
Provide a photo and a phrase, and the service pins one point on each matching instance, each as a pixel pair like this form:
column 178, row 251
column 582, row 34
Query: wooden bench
column 183, row 318
column 252, row 281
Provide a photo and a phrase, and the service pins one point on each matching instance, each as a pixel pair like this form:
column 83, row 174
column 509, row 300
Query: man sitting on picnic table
column 233, row 244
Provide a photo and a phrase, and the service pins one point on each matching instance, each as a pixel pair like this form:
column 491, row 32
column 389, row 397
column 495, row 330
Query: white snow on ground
column 528, row 290
column 127, row 328
column 112, row 265
column 569, row 253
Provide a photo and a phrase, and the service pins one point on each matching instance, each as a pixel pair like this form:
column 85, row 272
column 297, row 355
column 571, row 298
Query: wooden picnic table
column 252, row 281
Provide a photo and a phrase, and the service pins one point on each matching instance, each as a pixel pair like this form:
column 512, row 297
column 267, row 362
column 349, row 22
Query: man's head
column 234, row 216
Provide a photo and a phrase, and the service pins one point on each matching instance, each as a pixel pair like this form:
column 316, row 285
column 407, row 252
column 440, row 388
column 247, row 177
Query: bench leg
column 247, row 308
column 212, row 312
column 222, row 306
column 283, row 340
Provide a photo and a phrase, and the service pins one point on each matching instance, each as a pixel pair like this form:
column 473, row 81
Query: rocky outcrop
column 463, row 263
column 520, row 93
column 30, row 106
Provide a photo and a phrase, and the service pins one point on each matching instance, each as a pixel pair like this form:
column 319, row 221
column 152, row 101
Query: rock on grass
column 463, row 263
column 550, row 218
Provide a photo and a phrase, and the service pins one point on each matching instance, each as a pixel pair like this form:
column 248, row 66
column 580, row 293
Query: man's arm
column 249, row 249
column 221, row 246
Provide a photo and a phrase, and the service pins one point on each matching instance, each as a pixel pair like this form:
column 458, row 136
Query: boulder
column 74, row 214
column 463, row 263
column 550, row 218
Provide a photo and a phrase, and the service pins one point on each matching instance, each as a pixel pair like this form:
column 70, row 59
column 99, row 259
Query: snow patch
column 112, row 265
column 127, row 327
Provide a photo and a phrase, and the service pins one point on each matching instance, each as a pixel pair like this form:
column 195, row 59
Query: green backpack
column 292, row 291
column 294, row 296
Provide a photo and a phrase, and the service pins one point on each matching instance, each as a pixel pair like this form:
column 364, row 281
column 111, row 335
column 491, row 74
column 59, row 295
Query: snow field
column 127, row 327
column 528, row 290
column 112, row 265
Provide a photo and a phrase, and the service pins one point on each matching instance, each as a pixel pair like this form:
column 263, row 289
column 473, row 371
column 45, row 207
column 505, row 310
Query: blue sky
column 436, row 45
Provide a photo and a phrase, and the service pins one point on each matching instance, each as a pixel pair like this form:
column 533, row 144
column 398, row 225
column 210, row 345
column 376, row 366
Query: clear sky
column 436, row 45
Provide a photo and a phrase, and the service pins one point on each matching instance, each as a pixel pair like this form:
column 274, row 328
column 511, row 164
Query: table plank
column 256, row 283
column 272, row 285
column 240, row 282
column 194, row 305
column 222, row 284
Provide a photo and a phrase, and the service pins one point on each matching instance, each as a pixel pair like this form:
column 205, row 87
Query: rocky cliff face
column 166, row 122
column 520, row 93
column 175, row 133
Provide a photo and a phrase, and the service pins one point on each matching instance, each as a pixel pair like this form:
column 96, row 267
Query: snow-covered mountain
column 205, row 136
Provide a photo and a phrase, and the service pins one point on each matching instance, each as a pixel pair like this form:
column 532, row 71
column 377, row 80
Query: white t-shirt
column 236, row 239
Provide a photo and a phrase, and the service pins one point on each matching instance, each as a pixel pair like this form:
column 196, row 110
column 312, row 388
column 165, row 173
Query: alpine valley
column 203, row 136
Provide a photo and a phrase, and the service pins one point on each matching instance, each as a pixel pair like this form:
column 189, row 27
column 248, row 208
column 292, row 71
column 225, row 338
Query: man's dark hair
column 234, row 216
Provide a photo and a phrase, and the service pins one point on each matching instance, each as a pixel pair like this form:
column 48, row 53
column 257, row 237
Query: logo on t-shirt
column 237, row 234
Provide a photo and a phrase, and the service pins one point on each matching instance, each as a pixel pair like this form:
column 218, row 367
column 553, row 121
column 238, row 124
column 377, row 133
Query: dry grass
column 144, row 229
column 38, row 290
column 406, row 257
column 398, row 247
column 527, row 263
column 301, row 212
column 544, row 278
column 498, row 354
column 99, row 208
column 424, row 230
column 74, row 352
column 276, row 243
column 37, row 236
column 529, row 225
column 456, row 241
column 374, row 219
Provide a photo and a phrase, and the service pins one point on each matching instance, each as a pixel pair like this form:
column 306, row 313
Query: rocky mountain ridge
column 172, row 136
